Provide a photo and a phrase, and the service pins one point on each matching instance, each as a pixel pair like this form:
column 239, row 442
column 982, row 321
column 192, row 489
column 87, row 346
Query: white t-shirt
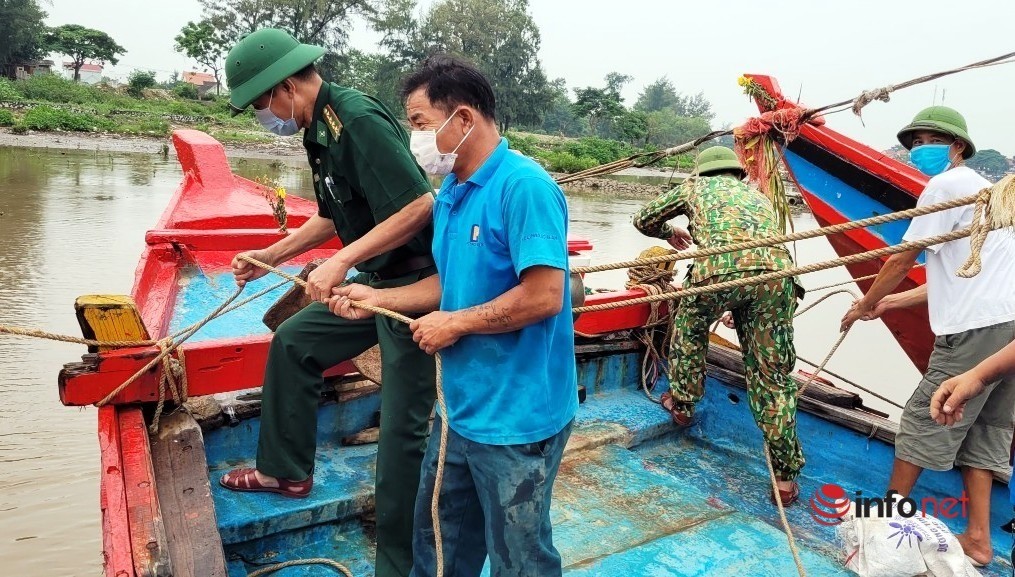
column 959, row 304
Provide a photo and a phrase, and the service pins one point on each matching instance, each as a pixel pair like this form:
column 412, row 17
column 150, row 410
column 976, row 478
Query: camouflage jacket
column 721, row 211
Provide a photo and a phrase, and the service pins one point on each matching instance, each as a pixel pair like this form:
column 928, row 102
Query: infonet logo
column 830, row 504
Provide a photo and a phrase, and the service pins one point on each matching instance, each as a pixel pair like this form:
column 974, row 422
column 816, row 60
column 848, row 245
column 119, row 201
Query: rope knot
column 994, row 208
column 868, row 96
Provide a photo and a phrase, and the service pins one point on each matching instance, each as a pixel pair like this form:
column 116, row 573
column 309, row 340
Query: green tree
column 666, row 128
column 615, row 82
column 503, row 40
column 205, row 43
column 322, row 22
column 186, row 90
column 560, row 117
column 82, row 44
column 694, row 106
column 658, row 95
column 401, row 36
column 598, row 106
column 371, row 73
column 989, row 162
column 632, row 126
column 402, row 48
column 359, row 70
column 138, row 81
column 22, row 30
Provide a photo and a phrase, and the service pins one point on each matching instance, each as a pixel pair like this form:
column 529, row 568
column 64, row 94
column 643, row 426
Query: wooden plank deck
column 181, row 475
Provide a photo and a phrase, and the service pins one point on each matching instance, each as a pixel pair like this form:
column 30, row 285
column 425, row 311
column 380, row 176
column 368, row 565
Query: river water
column 72, row 223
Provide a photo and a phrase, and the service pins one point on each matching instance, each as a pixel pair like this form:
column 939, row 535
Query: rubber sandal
column 680, row 418
column 788, row 497
column 244, row 480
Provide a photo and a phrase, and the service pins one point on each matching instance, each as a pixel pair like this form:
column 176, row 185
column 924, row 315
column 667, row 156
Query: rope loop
column 868, row 96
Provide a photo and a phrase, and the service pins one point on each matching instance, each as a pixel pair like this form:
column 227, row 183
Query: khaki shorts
column 982, row 439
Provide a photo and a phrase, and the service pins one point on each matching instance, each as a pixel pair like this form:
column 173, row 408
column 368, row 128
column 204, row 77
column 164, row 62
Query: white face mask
column 423, row 144
column 274, row 124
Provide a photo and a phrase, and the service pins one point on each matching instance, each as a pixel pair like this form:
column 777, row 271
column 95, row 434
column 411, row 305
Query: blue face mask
column 274, row 124
column 931, row 159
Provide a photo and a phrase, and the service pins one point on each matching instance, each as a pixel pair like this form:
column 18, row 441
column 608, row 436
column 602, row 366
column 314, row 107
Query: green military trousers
column 764, row 322
column 305, row 346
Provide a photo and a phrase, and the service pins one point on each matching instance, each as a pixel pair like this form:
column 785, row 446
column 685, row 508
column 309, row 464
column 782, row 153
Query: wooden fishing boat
column 633, row 496
column 841, row 180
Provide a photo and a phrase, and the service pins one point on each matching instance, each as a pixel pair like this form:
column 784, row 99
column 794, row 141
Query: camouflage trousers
column 764, row 324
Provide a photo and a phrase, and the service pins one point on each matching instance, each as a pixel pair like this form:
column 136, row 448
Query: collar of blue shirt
column 450, row 188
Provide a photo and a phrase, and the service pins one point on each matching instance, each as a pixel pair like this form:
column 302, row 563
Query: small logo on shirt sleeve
column 475, row 233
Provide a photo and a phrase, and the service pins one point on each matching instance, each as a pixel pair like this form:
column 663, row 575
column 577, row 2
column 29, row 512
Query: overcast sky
column 822, row 50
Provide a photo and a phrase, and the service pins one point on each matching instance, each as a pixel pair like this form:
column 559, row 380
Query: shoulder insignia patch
column 333, row 122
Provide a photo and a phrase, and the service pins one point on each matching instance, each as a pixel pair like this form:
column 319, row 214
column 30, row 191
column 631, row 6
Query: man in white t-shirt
column 971, row 319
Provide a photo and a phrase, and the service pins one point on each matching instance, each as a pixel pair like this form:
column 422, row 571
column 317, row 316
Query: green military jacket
column 363, row 171
column 721, row 211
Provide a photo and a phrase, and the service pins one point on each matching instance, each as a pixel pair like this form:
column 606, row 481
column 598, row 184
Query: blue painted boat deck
column 199, row 294
column 633, row 496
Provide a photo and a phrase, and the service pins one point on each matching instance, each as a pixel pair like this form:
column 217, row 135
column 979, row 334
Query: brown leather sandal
column 680, row 418
column 245, row 480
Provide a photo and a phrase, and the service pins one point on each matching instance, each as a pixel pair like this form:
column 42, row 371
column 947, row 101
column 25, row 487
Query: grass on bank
column 48, row 103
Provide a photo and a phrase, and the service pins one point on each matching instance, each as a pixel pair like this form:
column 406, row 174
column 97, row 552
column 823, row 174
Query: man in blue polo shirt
column 502, row 324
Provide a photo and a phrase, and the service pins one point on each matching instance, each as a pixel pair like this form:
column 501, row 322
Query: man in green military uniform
column 722, row 210
column 374, row 195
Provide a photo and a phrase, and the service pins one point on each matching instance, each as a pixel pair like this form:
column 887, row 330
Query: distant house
column 204, row 82
column 22, row 70
column 90, row 73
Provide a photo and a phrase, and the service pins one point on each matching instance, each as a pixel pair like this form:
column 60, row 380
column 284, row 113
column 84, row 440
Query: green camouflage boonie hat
column 260, row 61
column 938, row 119
column 717, row 159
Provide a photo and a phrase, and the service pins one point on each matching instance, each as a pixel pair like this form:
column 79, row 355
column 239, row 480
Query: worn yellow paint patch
column 110, row 318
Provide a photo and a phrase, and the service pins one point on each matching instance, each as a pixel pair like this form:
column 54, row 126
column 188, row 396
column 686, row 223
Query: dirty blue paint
column 200, row 294
column 634, row 497
column 343, row 479
column 609, row 373
column 850, row 202
column 345, row 542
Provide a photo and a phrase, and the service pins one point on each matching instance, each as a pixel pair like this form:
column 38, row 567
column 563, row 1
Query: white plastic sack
column 902, row 547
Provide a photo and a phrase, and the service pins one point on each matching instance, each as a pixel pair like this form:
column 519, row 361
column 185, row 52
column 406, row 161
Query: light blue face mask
column 274, row 124
column 931, row 159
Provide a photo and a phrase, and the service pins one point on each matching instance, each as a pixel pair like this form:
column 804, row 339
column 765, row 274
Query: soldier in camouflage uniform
column 723, row 211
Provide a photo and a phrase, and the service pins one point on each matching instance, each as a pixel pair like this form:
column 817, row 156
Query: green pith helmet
column 260, row 61
column 938, row 119
column 717, row 159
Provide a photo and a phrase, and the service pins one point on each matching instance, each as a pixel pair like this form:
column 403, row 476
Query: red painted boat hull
column 841, row 179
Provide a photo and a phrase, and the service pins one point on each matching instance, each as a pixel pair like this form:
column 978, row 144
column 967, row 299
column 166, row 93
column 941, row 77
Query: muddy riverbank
column 630, row 183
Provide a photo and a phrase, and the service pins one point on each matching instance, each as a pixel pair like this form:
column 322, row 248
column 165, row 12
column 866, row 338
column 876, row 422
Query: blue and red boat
column 633, row 497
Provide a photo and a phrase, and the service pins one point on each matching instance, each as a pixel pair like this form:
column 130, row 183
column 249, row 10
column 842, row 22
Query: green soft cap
column 260, row 61
column 938, row 119
column 717, row 159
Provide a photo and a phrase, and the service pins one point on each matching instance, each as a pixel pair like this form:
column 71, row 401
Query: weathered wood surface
column 109, row 318
column 844, row 408
column 181, row 474
column 116, row 555
column 369, row 364
column 850, row 418
column 147, row 530
column 293, row 301
column 364, row 437
column 733, row 361
column 130, row 502
column 214, row 411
